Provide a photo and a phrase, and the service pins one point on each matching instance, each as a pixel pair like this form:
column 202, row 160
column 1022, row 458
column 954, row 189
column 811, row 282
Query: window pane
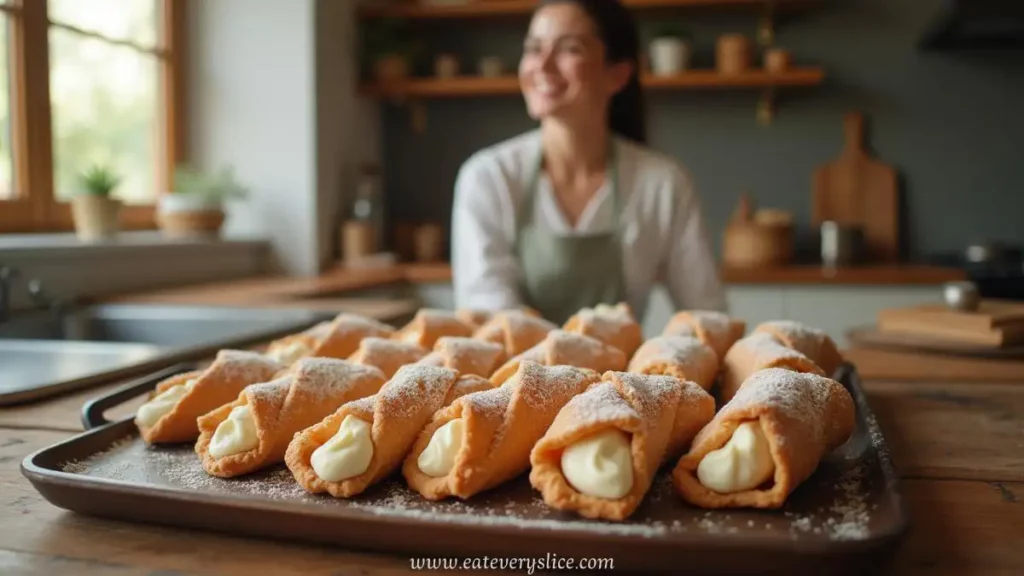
column 105, row 108
column 6, row 163
column 133, row 20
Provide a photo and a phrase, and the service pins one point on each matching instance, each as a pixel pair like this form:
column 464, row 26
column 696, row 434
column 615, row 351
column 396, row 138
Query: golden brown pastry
column 565, row 348
column 338, row 338
column 516, row 330
column 254, row 431
column 757, row 352
column 466, row 355
column 475, row 318
column 714, row 328
column 767, row 440
column 684, row 357
column 429, row 324
column 483, row 440
column 366, row 440
column 809, row 341
column 388, row 355
column 600, row 455
column 170, row 414
column 613, row 325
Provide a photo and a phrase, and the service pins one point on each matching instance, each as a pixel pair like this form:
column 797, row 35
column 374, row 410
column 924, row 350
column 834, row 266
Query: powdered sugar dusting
column 601, row 403
column 541, row 386
column 800, row 396
column 413, row 386
column 269, row 391
column 765, row 349
column 245, row 365
column 375, row 345
column 572, row 345
column 326, row 378
column 463, row 345
column 651, row 393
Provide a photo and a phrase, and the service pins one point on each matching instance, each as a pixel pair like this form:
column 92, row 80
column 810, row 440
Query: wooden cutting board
column 996, row 323
column 858, row 190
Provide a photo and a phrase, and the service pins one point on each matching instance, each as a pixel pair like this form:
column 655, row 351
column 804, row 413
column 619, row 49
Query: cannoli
column 565, row 348
column 428, row 325
column 613, row 325
column 170, row 414
column 757, row 352
column 366, row 440
column 684, row 357
column 714, row 328
column 516, row 330
column 809, row 341
column 388, row 355
column 475, row 318
column 254, row 431
column 600, row 455
column 484, row 439
column 338, row 338
column 466, row 355
column 767, row 440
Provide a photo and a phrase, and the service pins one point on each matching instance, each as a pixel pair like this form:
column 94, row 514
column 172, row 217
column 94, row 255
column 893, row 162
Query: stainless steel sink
column 45, row 353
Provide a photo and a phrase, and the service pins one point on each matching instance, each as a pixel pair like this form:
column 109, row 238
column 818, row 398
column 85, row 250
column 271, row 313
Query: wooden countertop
column 957, row 446
column 338, row 282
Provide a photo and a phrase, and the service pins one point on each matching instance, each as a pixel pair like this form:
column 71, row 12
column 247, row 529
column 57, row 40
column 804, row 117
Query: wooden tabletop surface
column 959, row 447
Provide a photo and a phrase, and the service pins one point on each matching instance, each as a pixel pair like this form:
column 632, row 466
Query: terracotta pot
column 732, row 54
column 391, row 68
column 429, row 242
column 96, row 217
column 777, row 60
column 446, row 66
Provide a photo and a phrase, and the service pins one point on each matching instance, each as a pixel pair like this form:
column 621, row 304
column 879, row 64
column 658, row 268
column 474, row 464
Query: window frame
column 34, row 207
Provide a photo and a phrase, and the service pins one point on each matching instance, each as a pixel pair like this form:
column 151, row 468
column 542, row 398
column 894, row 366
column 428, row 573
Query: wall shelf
column 491, row 8
column 474, row 86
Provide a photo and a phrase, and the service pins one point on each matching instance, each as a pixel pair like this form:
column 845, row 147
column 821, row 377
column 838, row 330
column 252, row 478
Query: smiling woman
column 95, row 83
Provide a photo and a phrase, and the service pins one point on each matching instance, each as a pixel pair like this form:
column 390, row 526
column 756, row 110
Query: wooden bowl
column 751, row 245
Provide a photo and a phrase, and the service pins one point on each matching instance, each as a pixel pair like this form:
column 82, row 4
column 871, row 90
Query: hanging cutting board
column 858, row 190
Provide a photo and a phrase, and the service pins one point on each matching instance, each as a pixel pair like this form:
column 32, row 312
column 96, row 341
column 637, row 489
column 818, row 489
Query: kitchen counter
column 956, row 444
column 271, row 289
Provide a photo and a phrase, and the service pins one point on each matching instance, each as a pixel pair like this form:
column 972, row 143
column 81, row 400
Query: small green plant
column 98, row 180
column 219, row 186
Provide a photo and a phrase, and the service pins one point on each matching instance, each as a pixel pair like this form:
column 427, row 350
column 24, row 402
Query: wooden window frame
column 34, row 207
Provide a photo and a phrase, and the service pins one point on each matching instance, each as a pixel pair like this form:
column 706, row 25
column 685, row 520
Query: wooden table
column 959, row 447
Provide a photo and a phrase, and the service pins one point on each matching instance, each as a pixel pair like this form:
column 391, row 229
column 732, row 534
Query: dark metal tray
column 848, row 517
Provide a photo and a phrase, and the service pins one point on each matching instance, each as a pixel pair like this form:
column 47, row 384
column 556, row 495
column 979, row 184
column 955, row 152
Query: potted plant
column 390, row 49
column 196, row 205
column 94, row 211
column 670, row 51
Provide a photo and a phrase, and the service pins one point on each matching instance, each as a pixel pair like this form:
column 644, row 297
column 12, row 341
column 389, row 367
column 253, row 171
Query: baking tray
column 848, row 517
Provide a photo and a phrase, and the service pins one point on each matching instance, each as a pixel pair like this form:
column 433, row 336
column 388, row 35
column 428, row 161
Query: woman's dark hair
column 618, row 32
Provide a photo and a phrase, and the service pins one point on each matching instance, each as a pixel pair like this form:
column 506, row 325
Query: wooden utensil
column 858, row 190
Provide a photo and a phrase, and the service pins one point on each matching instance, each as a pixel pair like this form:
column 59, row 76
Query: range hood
column 977, row 25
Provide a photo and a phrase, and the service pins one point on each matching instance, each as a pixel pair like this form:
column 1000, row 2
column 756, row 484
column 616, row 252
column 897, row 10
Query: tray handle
column 93, row 410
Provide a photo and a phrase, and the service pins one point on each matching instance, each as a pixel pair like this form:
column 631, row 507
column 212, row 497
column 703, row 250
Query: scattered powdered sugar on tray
column 834, row 504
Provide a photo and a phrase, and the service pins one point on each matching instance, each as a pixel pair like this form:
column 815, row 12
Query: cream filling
column 601, row 465
column 347, row 454
column 151, row 412
column 744, row 463
column 236, row 434
column 438, row 458
column 288, row 355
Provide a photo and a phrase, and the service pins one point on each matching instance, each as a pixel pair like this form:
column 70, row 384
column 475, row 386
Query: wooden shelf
column 470, row 86
column 485, row 9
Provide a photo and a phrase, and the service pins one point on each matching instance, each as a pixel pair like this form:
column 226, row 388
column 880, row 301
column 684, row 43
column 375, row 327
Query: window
column 84, row 83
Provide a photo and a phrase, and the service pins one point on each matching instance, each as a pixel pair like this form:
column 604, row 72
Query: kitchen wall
column 950, row 123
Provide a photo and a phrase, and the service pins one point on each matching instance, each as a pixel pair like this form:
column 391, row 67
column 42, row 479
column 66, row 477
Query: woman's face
column 563, row 73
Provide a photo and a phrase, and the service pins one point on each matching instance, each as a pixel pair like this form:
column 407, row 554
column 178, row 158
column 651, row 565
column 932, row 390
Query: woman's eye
column 571, row 48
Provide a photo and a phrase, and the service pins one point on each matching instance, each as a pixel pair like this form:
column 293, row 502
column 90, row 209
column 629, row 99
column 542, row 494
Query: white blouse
column 664, row 239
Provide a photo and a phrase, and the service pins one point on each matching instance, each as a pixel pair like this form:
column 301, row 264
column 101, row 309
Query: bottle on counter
column 361, row 232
